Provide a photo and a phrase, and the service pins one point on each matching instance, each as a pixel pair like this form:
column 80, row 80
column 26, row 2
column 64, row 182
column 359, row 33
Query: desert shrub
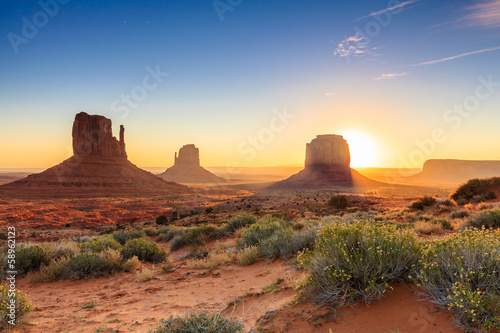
column 145, row 274
column 485, row 218
column 460, row 272
column 54, row 270
column 445, row 224
column 239, row 222
column 355, row 262
column 459, row 214
column 338, row 202
column 61, row 248
column 151, row 231
column 12, row 313
column 476, row 187
column 124, row 236
column 262, row 229
column 484, row 197
column 248, row 255
column 299, row 225
column 162, row 220
column 88, row 264
column 428, row 228
column 144, row 250
column 212, row 261
column 423, row 202
column 29, row 258
column 285, row 243
column 199, row 323
column 462, row 202
column 209, row 210
column 131, row 264
column 444, row 203
column 100, row 244
column 360, row 216
column 193, row 235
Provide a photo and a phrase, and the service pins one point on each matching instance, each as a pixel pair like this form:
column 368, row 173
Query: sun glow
column 363, row 148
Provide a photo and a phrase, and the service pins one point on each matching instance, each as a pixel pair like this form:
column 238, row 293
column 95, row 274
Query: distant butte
column 187, row 168
column 327, row 164
column 99, row 162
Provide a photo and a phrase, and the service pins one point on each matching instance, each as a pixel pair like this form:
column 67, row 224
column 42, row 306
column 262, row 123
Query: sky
column 251, row 82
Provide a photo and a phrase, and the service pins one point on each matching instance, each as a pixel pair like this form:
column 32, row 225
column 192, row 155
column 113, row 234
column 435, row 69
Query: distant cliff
column 456, row 171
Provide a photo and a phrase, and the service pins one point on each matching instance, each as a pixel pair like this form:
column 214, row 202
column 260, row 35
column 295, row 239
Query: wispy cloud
column 330, row 93
column 401, row 5
column 458, row 56
column 485, row 13
column 391, row 76
column 353, row 46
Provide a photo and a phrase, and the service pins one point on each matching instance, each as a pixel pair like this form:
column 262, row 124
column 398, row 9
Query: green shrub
column 485, row 218
column 199, row 323
column 88, row 265
column 124, row 236
column 162, row 220
column 144, row 250
column 100, row 244
column 22, row 305
column 460, row 272
column 248, row 255
column 338, row 202
column 445, row 224
column 355, row 262
column 459, row 214
column 30, row 258
column 193, row 235
column 476, row 187
column 262, row 229
column 285, row 243
column 423, row 202
column 444, row 203
column 150, row 231
column 239, row 222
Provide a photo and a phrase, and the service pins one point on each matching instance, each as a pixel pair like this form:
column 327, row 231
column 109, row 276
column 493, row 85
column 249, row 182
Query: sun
column 363, row 148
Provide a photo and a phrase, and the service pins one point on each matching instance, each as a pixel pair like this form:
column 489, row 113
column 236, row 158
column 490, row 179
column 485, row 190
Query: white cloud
column 355, row 46
column 330, row 93
column 458, row 56
column 391, row 76
column 485, row 13
column 401, row 5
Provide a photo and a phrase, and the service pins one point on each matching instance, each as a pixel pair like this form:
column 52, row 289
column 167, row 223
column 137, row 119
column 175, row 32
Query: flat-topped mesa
column 188, row 154
column 328, row 150
column 93, row 136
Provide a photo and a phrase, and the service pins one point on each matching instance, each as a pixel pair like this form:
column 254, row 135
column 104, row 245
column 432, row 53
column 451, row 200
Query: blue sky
column 385, row 71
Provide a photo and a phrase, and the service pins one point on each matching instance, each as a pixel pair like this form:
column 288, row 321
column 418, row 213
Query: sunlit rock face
column 327, row 151
column 93, row 136
column 327, row 164
column 187, row 168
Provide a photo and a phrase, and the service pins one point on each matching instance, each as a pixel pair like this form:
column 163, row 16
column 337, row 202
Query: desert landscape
column 232, row 166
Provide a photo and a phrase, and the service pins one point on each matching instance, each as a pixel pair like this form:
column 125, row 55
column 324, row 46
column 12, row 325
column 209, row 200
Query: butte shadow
column 327, row 165
column 99, row 166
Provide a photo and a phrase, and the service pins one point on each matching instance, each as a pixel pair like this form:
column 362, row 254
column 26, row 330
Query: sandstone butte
column 99, row 162
column 187, row 168
column 327, row 164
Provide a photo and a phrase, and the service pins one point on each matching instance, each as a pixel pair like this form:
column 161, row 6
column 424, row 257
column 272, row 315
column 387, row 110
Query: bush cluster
column 199, row 323
column 338, row 202
column 355, row 262
column 460, row 272
column 423, row 202
column 477, row 189
column 143, row 250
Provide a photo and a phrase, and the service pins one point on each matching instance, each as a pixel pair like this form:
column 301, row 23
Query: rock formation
column 327, row 164
column 92, row 136
column 187, row 168
column 455, row 171
column 99, row 162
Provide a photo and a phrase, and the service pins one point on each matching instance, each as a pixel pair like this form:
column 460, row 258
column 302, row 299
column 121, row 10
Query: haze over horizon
column 250, row 83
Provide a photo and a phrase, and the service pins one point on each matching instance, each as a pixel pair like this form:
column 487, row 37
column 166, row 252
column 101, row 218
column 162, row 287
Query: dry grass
column 131, row 264
column 145, row 275
column 213, row 260
column 248, row 255
column 428, row 228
